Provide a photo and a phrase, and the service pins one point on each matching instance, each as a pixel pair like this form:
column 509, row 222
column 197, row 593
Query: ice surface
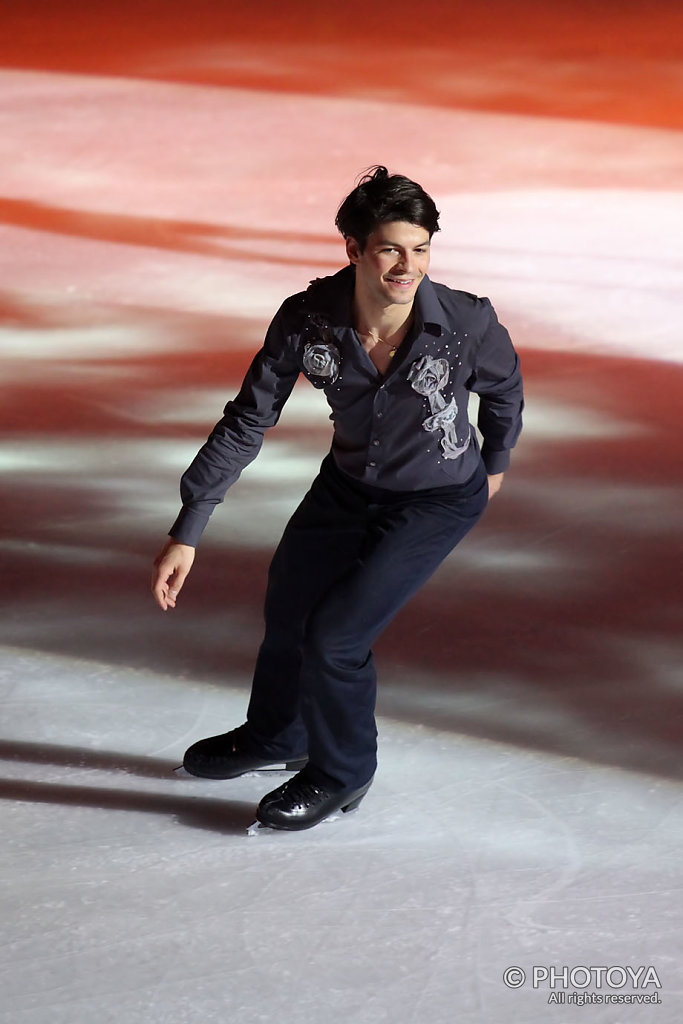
column 130, row 887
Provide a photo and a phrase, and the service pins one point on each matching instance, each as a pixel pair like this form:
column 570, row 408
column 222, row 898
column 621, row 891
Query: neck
column 382, row 321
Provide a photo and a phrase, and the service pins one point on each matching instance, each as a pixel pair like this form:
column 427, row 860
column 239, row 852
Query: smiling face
column 392, row 264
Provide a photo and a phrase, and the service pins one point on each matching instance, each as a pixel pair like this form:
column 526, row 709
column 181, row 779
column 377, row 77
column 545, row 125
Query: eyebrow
column 395, row 245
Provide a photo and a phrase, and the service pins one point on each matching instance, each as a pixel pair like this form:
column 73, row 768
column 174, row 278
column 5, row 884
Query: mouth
column 400, row 282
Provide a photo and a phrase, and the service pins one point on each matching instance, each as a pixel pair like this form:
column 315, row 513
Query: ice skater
column 396, row 356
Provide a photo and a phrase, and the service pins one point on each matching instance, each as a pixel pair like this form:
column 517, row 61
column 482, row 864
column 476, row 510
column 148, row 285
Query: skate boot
column 232, row 754
column 304, row 801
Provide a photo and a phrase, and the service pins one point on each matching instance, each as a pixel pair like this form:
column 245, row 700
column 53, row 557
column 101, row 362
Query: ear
column 353, row 250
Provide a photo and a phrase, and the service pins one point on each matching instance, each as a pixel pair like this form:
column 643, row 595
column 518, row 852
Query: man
column 396, row 356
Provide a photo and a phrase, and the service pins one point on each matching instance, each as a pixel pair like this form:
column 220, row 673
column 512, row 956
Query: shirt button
column 379, row 415
column 376, row 443
column 372, row 464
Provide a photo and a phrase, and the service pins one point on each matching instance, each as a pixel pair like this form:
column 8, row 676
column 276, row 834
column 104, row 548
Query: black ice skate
column 232, row 754
column 303, row 802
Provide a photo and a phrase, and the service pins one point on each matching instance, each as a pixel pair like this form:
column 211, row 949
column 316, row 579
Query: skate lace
column 302, row 791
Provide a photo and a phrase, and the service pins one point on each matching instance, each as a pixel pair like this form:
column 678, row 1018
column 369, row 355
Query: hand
column 172, row 565
column 495, row 483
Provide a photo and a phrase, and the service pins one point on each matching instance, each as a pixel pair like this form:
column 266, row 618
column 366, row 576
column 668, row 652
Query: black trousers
column 349, row 559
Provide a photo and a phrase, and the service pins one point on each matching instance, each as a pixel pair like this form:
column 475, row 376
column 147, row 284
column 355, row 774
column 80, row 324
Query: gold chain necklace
column 393, row 349
column 380, row 341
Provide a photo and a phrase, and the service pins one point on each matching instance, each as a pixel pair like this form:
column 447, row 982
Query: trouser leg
column 321, row 541
column 404, row 544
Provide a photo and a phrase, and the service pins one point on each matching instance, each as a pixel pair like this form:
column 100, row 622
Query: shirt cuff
column 495, row 461
column 188, row 527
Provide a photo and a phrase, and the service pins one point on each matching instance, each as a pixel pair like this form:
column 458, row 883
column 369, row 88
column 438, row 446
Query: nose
column 405, row 263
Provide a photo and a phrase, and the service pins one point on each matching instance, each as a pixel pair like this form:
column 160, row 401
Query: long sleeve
column 497, row 379
column 236, row 439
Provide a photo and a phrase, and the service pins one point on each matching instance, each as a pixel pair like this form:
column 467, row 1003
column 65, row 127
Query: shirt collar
column 429, row 313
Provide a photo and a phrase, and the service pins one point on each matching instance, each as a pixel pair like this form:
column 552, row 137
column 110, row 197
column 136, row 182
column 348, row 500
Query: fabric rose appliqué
column 321, row 363
column 429, row 377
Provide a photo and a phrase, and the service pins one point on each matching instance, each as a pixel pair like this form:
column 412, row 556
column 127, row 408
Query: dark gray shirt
column 404, row 430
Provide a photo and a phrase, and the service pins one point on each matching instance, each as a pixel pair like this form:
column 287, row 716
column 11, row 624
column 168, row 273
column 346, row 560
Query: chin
column 401, row 295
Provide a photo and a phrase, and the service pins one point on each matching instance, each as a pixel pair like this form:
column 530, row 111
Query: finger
column 176, row 580
column 161, row 596
column 160, row 589
column 173, row 587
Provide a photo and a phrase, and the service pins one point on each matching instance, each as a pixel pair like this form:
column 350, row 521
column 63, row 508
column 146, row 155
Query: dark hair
column 380, row 197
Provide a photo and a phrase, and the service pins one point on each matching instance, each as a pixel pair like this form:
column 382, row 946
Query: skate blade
column 276, row 771
column 257, row 828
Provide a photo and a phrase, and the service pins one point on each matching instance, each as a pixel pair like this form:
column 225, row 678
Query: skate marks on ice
column 467, row 856
column 78, row 698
